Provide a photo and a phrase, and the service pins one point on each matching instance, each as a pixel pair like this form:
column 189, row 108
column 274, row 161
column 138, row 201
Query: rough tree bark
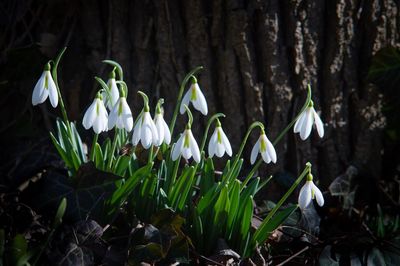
column 258, row 56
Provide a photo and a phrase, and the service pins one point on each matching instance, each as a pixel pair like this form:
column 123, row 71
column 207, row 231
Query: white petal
column 167, row 133
column 194, row 147
column 305, row 195
column 271, row 150
column 126, row 115
column 186, row 152
column 200, row 102
column 103, row 116
column 227, row 144
column 220, row 150
column 160, row 128
column 136, row 132
column 89, row 116
column 154, row 133
column 185, row 101
column 53, row 94
column 254, row 152
column 114, row 94
column 176, row 151
column 318, row 195
column 39, row 94
column 307, row 124
column 112, row 120
column 319, row 124
column 212, row 144
column 146, row 136
column 299, row 122
column 265, row 156
column 97, row 125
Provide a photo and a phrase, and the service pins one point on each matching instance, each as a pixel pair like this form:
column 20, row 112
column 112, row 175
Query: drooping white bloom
column 308, row 192
column 186, row 146
column 111, row 98
column 195, row 96
column 305, row 122
column 145, row 131
column 96, row 116
column 219, row 143
column 45, row 87
column 121, row 115
column 265, row 147
column 164, row 135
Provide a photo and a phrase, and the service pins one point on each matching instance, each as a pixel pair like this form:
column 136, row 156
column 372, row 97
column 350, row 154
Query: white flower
column 308, row 192
column 145, row 131
column 187, row 146
column 113, row 93
column 305, row 122
column 164, row 135
column 219, row 143
column 195, row 96
column 96, row 116
column 121, row 115
column 45, row 87
column 265, row 147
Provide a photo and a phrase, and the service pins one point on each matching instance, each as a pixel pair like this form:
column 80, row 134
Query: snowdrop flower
column 308, row 192
column 110, row 98
column 305, row 122
column 219, row 143
column 96, row 116
column 186, row 146
column 195, row 96
column 145, row 130
column 121, row 115
column 45, row 87
column 164, row 135
column 265, row 147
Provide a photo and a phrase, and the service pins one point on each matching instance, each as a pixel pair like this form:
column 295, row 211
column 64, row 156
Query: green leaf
column 234, row 198
column 60, row 213
column 245, row 220
column 267, row 227
column 78, row 143
column 123, row 192
column 19, row 248
column 62, row 152
column 121, row 165
column 98, row 157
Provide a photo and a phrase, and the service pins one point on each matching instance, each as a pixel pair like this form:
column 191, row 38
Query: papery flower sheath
column 265, row 147
column 308, row 192
column 197, row 98
column 111, row 98
column 96, row 116
column 186, row 146
column 164, row 135
column 145, row 131
column 45, row 87
column 219, row 143
column 121, row 115
column 305, row 122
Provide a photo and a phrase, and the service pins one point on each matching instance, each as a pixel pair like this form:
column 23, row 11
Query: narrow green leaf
column 61, row 152
column 60, row 213
column 98, row 157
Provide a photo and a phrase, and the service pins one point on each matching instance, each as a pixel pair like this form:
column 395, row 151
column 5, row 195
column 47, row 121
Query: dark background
column 258, row 57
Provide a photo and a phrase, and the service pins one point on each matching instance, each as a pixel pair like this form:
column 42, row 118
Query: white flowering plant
column 214, row 204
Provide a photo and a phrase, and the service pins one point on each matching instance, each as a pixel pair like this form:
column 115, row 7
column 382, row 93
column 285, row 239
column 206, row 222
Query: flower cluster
column 155, row 132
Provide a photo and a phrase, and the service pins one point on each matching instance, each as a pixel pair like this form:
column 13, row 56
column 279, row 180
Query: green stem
column 114, row 145
column 287, row 194
column 151, row 154
column 180, row 94
column 284, row 131
column 96, row 136
column 60, row 98
column 210, row 121
column 280, row 136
